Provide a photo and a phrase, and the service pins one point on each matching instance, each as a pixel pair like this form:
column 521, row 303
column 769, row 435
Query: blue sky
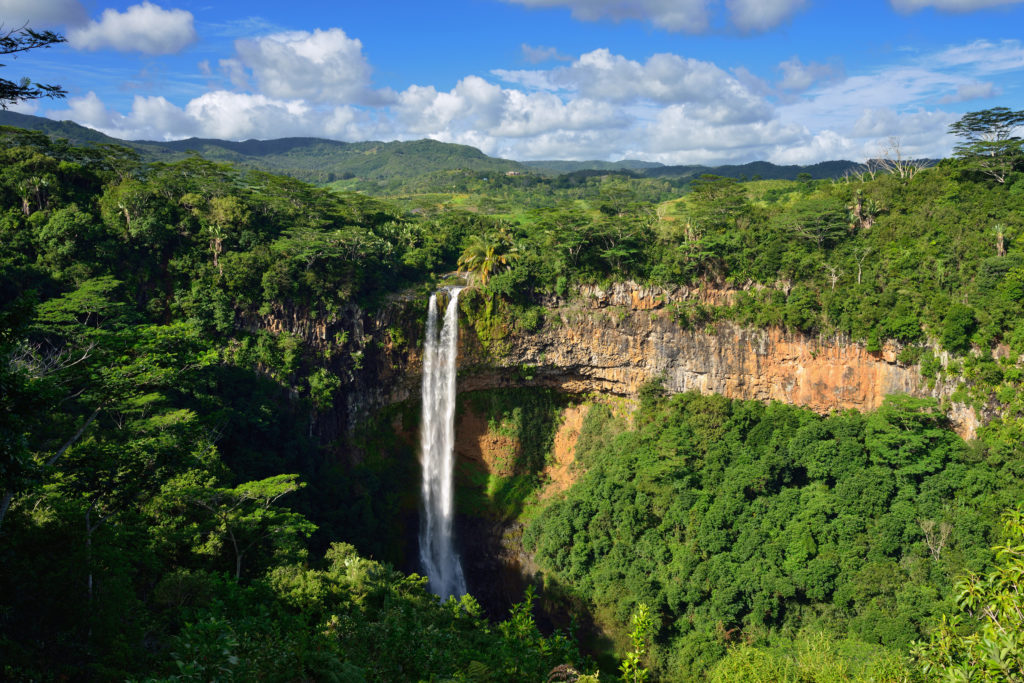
column 676, row 81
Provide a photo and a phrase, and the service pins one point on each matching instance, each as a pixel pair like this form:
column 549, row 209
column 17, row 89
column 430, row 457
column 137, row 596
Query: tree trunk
column 5, row 504
column 89, row 528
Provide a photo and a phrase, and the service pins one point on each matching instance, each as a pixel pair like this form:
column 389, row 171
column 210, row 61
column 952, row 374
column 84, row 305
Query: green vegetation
column 995, row 651
column 527, row 419
column 989, row 145
column 14, row 41
column 739, row 522
column 186, row 490
column 399, row 168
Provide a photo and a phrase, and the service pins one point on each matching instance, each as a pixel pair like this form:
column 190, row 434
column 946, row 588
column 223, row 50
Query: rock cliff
column 611, row 340
column 616, row 340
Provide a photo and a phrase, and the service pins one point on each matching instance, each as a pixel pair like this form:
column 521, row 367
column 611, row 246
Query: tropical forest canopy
column 178, row 500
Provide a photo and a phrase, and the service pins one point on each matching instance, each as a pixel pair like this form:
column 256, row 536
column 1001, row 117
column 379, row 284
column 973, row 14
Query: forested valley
column 183, row 498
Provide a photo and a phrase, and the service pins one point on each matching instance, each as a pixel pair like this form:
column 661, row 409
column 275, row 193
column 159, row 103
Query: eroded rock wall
column 609, row 340
column 616, row 340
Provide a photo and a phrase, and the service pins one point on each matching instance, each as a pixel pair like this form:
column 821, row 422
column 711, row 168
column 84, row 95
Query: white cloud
column 151, row 118
column 41, row 13
column 322, row 66
column 24, row 107
column 797, row 76
column 663, row 79
column 236, row 73
column 489, row 110
column 666, row 108
column 535, row 54
column 690, row 16
column 971, row 91
column 145, row 28
column 234, row 116
column 677, row 134
column 761, row 15
column 982, row 56
column 949, row 5
column 222, row 114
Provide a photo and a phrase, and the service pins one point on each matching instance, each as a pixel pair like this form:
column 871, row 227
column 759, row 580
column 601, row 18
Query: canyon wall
column 611, row 340
column 616, row 340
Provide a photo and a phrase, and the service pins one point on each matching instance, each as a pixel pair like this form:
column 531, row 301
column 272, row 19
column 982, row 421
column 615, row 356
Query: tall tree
column 989, row 144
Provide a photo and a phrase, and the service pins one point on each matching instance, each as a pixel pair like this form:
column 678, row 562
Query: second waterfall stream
column 437, row 445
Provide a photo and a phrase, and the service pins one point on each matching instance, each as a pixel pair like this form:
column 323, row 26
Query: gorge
column 614, row 340
column 776, row 416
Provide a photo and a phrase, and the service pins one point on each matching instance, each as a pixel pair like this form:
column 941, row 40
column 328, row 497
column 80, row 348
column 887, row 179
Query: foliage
column 737, row 521
column 984, row 641
column 814, row 658
column 178, row 341
column 15, row 41
column 488, row 254
column 989, row 145
column 642, row 628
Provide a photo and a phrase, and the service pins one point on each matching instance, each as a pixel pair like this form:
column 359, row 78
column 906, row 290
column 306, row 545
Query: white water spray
column 437, row 444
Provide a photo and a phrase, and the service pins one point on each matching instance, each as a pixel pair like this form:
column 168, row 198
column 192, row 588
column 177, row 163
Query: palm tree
column 488, row 254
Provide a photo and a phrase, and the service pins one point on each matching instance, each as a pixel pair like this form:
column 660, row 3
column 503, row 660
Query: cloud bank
column 686, row 16
column 667, row 107
column 42, row 13
column 145, row 28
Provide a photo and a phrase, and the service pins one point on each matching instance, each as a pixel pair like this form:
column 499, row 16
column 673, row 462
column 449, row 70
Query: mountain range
column 322, row 161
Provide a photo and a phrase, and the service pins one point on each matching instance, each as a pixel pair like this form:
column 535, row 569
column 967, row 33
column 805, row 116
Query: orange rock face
column 615, row 342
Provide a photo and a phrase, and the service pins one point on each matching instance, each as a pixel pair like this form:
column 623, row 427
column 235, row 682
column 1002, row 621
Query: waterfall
column 437, row 444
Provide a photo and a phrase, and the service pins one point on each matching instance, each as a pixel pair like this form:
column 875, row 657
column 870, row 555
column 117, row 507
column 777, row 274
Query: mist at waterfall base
column 439, row 560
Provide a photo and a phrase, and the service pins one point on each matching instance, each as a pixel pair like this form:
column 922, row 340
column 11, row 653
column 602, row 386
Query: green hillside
column 187, row 491
column 764, row 169
column 371, row 163
column 557, row 167
column 312, row 160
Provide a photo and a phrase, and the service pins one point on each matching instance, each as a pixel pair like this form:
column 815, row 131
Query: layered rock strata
column 616, row 340
column 610, row 340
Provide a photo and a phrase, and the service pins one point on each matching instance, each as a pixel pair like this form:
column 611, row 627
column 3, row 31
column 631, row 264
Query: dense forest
column 178, row 502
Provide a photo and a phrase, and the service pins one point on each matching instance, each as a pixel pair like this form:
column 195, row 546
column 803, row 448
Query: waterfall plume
column 437, row 444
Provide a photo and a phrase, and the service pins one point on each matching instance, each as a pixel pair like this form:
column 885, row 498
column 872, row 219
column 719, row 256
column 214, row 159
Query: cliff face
column 376, row 357
column 614, row 341
column 607, row 341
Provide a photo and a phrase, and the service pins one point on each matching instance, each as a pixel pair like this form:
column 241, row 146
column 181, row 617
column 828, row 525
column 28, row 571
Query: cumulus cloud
column 949, row 5
column 664, row 78
column 971, row 91
column 151, row 118
column 690, row 16
column 667, row 108
column 42, row 13
column 797, row 76
column 221, row 114
column 535, row 54
column 477, row 105
column 145, row 28
column 677, row 134
column 761, row 15
column 322, row 66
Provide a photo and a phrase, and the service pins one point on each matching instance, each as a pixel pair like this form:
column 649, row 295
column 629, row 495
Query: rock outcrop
column 611, row 340
column 616, row 340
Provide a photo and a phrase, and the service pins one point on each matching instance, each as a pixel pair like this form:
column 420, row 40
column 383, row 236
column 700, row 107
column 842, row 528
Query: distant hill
column 69, row 130
column 555, row 167
column 756, row 169
column 321, row 161
column 311, row 159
